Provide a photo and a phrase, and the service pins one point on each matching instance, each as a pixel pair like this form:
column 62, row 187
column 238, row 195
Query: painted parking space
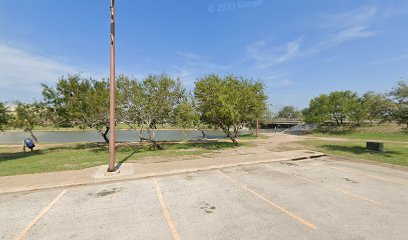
column 308, row 199
column 112, row 211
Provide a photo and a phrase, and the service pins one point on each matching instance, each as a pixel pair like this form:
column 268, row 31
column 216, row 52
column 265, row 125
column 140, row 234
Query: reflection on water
column 15, row 137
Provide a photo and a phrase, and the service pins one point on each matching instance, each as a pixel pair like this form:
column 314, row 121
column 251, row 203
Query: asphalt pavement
column 320, row 198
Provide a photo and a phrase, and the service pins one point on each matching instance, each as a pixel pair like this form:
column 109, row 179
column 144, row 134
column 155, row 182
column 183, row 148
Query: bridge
column 280, row 122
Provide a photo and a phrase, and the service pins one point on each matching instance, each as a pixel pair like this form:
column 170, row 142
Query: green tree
column 79, row 102
column 289, row 112
column 229, row 102
column 318, row 110
column 356, row 111
column 342, row 105
column 338, row 106
column 399, row 96
column 156, row 99
column 251, row 102
column 185, row 115
column 129, row 102
column 4, row 116
column 149, row 102
column 266, row 117
column 28, row 116
column 377, row 107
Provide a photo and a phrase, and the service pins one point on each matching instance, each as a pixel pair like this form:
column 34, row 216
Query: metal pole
column 112, row 119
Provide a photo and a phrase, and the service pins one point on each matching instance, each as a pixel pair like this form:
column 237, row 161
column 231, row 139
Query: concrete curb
column 95, row 181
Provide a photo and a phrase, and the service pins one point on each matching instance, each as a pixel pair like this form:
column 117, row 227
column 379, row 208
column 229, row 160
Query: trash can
column 29, row 143
column 375, row 146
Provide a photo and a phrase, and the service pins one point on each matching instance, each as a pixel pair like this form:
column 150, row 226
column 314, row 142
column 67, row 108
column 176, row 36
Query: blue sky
column 299, row 49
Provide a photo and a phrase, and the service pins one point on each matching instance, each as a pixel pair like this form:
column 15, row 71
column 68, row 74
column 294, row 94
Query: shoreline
column 90, row 130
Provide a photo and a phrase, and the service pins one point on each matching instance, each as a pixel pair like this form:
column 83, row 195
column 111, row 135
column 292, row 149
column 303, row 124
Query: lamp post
column 112, row 98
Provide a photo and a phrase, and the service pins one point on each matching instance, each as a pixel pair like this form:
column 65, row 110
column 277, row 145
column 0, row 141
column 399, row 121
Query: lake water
column 16, row 137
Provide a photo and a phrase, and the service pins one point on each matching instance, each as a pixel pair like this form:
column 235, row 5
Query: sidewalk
column 129, row 171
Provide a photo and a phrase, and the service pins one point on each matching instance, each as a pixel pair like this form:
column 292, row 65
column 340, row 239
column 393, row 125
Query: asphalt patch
column 349, row 180
column 106, row 192
column 208, row 208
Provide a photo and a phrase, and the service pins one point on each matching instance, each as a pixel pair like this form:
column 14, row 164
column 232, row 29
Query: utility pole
column 112, row 119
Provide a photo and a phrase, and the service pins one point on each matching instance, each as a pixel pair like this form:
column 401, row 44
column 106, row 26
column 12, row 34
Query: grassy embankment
column 395, row 143
column 59, row 157
column 385, row 132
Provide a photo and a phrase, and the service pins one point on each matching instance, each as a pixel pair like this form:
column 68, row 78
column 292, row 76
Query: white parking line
column 22, row 234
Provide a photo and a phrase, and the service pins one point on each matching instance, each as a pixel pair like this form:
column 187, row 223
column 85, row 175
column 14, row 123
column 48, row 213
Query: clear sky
column 299, row 49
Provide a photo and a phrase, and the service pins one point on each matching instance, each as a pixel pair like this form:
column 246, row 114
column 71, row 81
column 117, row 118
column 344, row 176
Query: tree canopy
column 347, row 107
column 149, row 102
column 78, row 101
column 4, row 116
column 399, row 96
column 337, row 106
column 289, row 112
column 28, row 116
column 229, row 102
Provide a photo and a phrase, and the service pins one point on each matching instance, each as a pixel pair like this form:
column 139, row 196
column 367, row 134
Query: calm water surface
column 15, row 137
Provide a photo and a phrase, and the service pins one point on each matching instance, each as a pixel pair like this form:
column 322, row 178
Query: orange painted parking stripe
column 166, row 212
column 292, row 215
column 23, row 233
column 329, row 187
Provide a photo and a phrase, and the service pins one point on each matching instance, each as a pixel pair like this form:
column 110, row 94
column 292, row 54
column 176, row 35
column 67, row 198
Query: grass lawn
column 388, row 132
column 395, row 153
column 396, row 136
column 78, row 156
column 251, row 136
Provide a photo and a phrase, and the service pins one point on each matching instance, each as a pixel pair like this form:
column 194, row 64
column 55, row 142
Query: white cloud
column 354, row 24
column 350, row 19
column 22, row 72
column 395, row 11
column 278, row 80
column 282, row 83
column 266, row 56
column 353, row 33
column 190, row 56
column 346, row 26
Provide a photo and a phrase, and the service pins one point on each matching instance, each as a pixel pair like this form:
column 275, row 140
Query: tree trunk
column 234, row 140
column 203, row 133
column 236, row 129
column 141, row 134
column 30, row 130
column 105, row 134
column 185, row 136
column 151, row 139
column 229, row 135
column 337, row 121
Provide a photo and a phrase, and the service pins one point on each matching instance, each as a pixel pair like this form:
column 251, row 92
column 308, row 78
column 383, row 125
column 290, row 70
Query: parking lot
column 320, row 198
